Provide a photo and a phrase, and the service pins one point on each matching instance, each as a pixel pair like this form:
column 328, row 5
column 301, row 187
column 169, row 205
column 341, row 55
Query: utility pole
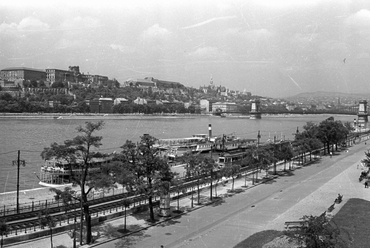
column 18, row 163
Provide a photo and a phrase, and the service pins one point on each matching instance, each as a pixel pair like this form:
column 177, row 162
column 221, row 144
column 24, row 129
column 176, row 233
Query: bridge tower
column 362, row 115
column 255, row 112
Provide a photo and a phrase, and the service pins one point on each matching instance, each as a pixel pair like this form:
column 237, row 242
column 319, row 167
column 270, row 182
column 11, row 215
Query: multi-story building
column 96, row 79
column 101, row 105
column 57, row 75
column 106, row 105
column 22, row 73
column 206, row 105
column 119, row 100
column 224, row 106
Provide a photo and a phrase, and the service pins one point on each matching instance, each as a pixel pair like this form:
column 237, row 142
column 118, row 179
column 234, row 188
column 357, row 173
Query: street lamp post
column 258, row 143
column 18, row 163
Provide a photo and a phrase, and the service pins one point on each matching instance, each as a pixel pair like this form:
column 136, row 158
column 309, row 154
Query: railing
column 97, row 198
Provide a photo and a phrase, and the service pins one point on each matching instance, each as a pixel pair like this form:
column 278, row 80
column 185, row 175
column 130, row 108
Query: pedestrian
column 366, row 185
column 223, row 181
column 331, row 154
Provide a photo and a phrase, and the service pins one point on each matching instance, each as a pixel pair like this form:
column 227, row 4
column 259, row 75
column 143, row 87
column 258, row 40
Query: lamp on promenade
column 18, row 162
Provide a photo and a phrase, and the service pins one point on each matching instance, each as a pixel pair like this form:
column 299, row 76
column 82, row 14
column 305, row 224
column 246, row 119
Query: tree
column 179, row 187
column 231, row 170
column 366, row 160
column 46, row 219
column 309, row 137
column 121, row 171
column 261, row 158
column 208, row 167
column 4, row 229
column 79, row 153
column 317, row 232
column 149, row 170
column 331, row 132
column 192, row 168
column 6, row 97
column 283, row 152
column 68, row 198
column 66, row 195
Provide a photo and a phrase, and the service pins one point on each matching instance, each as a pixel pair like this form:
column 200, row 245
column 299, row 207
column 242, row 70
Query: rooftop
column 21, row 69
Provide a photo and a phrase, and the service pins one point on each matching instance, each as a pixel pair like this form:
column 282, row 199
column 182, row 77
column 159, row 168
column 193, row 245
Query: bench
column 296, row 224
column 338, row 199
column 331, row 208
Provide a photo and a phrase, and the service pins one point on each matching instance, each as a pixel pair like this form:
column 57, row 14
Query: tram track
column 31, row 219
column 22, row 222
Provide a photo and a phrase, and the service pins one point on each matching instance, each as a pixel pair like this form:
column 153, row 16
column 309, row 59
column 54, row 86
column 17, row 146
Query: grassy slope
column 353, row 219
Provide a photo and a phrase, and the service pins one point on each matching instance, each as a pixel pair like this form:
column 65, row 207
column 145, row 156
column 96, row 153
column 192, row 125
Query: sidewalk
column 137, row 222
column 346, row 183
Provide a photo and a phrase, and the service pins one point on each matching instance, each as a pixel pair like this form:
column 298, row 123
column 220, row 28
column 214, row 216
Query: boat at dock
column 59, row 172
column 201, row 143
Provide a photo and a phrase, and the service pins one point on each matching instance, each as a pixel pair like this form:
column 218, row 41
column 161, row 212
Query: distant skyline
column 273, row 48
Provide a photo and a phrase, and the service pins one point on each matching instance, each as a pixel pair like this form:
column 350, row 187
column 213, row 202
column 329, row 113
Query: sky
column 273, row 48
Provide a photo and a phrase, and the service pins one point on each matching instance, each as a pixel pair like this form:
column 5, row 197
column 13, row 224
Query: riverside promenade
column 307, row 190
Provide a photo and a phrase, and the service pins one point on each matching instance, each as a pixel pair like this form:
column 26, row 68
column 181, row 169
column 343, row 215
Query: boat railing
column 58, row 170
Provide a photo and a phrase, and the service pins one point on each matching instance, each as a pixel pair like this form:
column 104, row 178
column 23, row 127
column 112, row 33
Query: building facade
column 22, row 73
column 224, row 107
column 56, row 75
column 101, row 105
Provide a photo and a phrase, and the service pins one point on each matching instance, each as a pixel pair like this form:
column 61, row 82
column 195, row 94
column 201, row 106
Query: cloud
column 155, row 32
column 26, row 24
column 123, row 49
column 286, row 3
column 249, row 34
column 8, row 29
column 209, row 21
column 67, row 43
column 32, row 24
column 359, row 19
column 77, row 32
column 363, row 55
column 80, row 23
column 207, row 52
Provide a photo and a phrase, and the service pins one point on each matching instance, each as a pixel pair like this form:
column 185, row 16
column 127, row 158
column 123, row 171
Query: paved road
column 309, row 190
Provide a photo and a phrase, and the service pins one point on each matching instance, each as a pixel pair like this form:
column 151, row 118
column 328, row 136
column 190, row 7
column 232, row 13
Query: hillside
column 328, row 97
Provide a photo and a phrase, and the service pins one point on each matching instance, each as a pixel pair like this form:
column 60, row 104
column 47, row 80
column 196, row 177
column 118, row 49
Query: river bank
column 93, row 116
column 135, row 116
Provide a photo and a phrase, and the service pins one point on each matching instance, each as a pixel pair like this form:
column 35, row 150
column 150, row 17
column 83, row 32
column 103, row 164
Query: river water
column 31, row 135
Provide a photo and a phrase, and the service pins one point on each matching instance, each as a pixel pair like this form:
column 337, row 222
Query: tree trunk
column 178, row 200
column 328, row 147
column 51, row 237
column 198, row 190
column 88, row 223
column 151, row 209
column 211, row 186
column 192, row 197
column 124, row 224
column 216, row 188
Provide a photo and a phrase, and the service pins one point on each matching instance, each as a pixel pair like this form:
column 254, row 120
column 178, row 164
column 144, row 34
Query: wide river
column 31, row 135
